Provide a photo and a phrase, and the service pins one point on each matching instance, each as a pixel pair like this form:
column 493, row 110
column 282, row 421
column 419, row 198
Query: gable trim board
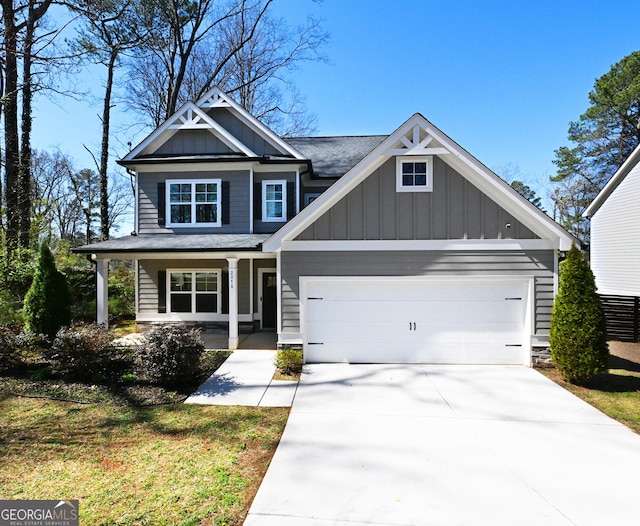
column 194, row 116
column 463, row 162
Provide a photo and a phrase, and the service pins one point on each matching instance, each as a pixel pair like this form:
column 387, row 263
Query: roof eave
column 613, row 183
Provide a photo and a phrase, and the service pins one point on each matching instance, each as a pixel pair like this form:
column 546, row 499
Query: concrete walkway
column 446, row 445
column 245, row 378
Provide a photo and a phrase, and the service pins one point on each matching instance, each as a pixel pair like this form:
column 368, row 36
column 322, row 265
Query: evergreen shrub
column 578, row 335
column 47, row 305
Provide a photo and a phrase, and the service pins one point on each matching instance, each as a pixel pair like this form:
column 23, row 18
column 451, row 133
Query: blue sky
column 501, row 78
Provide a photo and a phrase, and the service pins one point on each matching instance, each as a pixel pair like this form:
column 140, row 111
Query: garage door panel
column 389, row 321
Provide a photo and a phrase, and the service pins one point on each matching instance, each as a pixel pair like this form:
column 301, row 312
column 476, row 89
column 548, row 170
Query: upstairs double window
column 194, row 203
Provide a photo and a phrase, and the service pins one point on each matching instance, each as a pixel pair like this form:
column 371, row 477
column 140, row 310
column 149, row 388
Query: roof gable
column 198, row 116
column 417, row 136
column 613, row 183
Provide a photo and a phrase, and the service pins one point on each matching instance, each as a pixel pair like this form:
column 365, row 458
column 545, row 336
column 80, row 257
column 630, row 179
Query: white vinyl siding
column 615, row 239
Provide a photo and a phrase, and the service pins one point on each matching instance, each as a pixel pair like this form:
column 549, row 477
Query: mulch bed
column 135, row 394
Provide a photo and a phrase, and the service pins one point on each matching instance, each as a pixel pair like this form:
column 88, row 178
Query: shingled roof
column 335, row 156
column 176, row 243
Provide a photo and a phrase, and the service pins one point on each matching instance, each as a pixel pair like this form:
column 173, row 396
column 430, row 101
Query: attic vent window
column 414, row 174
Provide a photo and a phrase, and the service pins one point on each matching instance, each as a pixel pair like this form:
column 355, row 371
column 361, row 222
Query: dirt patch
column 624, row 355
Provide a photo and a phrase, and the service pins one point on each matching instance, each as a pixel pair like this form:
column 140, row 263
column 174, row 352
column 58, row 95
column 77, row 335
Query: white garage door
column 386, row 320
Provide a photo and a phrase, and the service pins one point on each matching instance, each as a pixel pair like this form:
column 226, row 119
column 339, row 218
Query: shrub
column 288, row 361
column 47, row 303
column 85, row 352
column 17, row 348
column 10, row 355
column 170, row 356
column 578, row 326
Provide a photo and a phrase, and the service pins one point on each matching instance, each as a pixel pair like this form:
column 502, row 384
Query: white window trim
column 193, row 292
column 282, row 219
column 428, row 159
column 193, row 223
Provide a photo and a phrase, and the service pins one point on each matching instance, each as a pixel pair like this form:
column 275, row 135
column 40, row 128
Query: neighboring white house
column 393, row 248
column 615, row 231
column 615, row 249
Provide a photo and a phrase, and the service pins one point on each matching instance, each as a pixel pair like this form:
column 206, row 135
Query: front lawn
column 170, row 464
column 616, row 393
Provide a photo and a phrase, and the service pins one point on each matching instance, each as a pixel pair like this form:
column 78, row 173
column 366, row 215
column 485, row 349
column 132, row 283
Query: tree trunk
column 24, row 172
column 11, row 143
column 104, row 154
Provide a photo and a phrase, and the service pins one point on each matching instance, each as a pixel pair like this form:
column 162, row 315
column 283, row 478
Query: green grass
column 173, row 464
column 616, row 393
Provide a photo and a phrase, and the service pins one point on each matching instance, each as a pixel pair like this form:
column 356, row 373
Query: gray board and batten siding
column 203, row 142
column 456, row 209
column 536, row 263
column 235, row 201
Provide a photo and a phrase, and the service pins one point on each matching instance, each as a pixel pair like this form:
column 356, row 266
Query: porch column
column 233, row 303
column 102, row 290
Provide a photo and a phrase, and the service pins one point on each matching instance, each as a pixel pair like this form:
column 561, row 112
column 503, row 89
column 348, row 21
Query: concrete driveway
column 445, row 445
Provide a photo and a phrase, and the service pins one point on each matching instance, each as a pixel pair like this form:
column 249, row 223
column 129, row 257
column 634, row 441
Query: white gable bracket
column 416, row 142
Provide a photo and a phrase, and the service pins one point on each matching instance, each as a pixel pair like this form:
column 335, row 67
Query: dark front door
column 269, row 300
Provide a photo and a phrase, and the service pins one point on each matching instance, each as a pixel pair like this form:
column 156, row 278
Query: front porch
column 201, row 280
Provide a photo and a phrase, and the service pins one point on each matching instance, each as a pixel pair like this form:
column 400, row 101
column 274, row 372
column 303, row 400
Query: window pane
column 206, row 282
column 179, row 193
column 181, row 213
column 407, row 168
column 206, row 192
column 206, row 213
column 421, row 180
column 274, row 210
column 407, row 179
column 421, row 168
column 180, row 302
column 206, row 303
column 180, row 282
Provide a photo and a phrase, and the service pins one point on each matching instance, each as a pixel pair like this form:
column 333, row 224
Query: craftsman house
column 394, row 248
